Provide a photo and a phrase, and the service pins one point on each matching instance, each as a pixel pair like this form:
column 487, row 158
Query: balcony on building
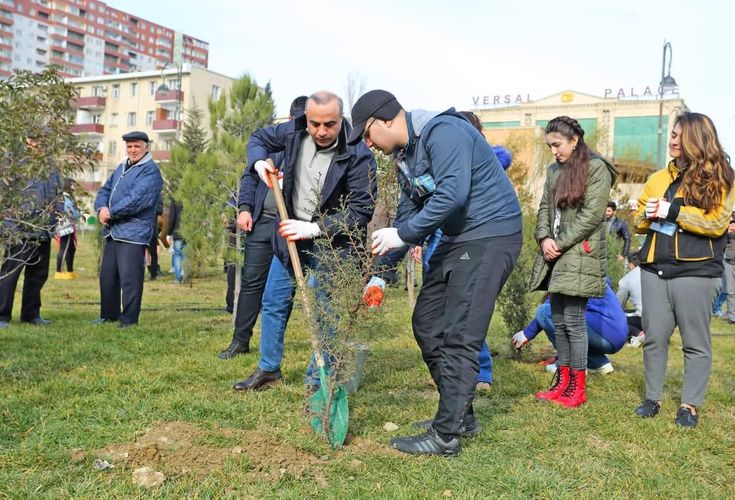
column 88, row 129
column 169, row 96
column 91, row 102
column 161, row 155
column 166, row 125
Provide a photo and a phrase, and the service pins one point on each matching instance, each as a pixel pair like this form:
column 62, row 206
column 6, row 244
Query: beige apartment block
column 630, row 130
column 155, row 102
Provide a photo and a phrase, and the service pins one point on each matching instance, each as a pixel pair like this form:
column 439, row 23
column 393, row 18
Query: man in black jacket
column 618, row 227
column 316, row 159
column 256, row 216
column 30, row 252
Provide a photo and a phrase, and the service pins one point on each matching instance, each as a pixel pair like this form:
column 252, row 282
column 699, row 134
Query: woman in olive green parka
column 572, row 260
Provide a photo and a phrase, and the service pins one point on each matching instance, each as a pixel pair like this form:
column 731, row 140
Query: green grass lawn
column 157, row 395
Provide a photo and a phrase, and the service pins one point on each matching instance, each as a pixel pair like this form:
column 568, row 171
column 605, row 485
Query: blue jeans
column 598, row 345
column 276, row 310
column 178, row 259
column 486, row 362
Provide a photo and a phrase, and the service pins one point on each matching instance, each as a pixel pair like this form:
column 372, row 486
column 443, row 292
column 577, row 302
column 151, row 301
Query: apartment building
column 155, row 102
column 87, row 37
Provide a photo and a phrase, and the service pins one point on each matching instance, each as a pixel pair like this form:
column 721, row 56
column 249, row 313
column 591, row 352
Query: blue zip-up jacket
column 473, row 197
column 131, row 196
column 604, row 315
column 349, row 182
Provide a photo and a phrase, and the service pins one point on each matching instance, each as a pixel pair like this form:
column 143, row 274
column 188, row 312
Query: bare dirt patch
column 183, row 449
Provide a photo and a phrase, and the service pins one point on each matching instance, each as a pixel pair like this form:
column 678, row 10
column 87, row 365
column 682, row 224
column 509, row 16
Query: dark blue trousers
column 121, row 281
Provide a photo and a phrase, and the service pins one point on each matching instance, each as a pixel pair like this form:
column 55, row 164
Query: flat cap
column 136, row 136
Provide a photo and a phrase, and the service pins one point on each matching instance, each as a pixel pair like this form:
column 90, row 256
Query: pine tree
column 193, row 135
column 208, row 180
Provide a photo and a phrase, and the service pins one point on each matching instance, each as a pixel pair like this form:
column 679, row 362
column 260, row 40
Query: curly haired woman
column 684, row 211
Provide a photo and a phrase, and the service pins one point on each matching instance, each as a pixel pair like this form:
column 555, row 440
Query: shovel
column 328, row 404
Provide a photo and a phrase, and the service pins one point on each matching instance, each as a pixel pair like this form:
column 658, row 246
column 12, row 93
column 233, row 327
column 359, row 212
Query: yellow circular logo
column 567, row 97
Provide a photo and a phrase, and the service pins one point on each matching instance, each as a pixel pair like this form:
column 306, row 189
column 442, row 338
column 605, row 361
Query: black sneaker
column 429, row 443
column 648, row 409
column 469, row 428
column 685, row 418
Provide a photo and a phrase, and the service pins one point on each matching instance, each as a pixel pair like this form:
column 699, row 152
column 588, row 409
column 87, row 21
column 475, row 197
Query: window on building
column 215, row 92
column 113, row 120
column 116, row 91
column 133, row 89
column 98, row 91
column 112, row 147
column 97, row 118
column 152, row 88
column 132, row 119
column 149, row 117
column 174, row 84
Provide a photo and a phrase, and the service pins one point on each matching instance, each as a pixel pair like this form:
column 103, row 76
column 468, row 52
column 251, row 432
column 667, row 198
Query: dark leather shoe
column 126, row 325
column 648, row 409
column 234, row 349
column 469, row 428
column 39, row 321
column 101, row 321
column 429, row 443
column 685, row 418
column 259, row 380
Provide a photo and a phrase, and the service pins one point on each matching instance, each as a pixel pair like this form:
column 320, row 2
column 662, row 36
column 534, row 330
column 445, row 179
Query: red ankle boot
column 576, row 392
column 562, row 381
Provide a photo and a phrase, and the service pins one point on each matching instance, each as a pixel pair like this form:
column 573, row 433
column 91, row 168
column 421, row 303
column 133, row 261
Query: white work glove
column 385, row 240
column 264, row 170
column 294, row 230
column 519, row 339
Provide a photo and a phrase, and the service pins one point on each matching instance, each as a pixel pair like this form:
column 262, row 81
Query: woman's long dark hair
column 572, row 181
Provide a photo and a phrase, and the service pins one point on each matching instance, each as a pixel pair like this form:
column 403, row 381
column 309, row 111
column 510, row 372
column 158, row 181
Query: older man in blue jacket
column 450, row 178
column 316, row 159
column 126, row 206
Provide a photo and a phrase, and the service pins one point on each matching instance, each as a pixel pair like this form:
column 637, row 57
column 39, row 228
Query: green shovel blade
column 339, row 415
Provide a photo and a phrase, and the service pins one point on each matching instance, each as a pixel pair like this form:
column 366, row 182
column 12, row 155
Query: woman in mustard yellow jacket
column 684, row 211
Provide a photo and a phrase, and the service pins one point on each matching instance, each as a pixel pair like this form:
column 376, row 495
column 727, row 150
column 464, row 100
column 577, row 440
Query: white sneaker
column 551, row 368
column 637, row 341
column 604, row 369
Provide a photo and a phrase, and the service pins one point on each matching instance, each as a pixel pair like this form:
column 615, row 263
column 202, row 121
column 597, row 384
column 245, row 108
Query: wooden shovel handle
column 296, row 264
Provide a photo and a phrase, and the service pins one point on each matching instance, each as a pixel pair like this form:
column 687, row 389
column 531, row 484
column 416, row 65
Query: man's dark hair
column 298, row 106
column 473, row 119
column 612, row 204
column 634, row 257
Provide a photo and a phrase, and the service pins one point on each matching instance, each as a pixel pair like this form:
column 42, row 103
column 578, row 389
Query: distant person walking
column 66, row 230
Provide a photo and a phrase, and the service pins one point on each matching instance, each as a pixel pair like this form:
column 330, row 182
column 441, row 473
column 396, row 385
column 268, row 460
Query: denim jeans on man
column 598, row 345
column 276, row 310
column 178, row 259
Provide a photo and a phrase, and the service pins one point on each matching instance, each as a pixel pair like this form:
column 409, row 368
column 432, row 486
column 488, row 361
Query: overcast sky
column 433, row 54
